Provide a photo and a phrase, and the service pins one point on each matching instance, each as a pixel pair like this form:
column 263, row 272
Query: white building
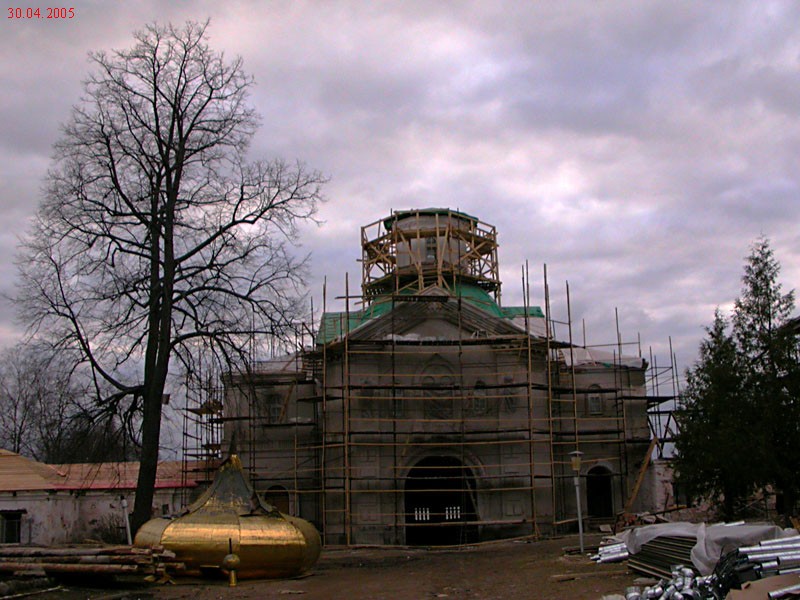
column 58, row 504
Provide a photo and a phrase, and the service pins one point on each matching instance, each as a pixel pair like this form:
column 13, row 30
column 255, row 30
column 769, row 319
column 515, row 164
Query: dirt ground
column 504, row 570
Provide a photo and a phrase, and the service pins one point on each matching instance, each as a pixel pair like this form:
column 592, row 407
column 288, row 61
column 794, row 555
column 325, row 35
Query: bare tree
column 35, row 395
column 155, row 232
column 42, row 411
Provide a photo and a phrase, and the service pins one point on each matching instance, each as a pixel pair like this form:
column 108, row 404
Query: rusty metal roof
column 118, row 476
column 18, row 473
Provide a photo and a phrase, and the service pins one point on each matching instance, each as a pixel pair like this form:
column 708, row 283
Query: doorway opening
column 599, row 493
column 439, row 503
column 278, row 496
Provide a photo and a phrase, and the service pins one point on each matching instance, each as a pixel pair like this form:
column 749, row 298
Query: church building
column 429, row 413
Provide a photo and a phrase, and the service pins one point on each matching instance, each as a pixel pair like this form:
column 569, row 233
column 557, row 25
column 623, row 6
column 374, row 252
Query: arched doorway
column 439, row 503
column 599, row 493
column 278, row 496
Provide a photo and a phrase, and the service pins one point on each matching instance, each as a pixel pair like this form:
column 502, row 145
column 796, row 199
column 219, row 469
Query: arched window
column 278, row 496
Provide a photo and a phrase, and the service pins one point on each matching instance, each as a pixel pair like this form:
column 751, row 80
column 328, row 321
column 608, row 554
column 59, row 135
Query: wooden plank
column 69, row 568
column 92, row 551
column 588, row 574
column 640, row 478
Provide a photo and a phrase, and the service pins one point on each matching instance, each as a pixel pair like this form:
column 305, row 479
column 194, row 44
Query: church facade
column 427, row 413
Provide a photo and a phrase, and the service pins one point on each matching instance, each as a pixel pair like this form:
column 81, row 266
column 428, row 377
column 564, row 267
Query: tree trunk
column 728, row 505
column 148, row 466
column 156, row 360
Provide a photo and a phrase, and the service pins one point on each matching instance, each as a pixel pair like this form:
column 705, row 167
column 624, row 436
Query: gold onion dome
column 229, row 517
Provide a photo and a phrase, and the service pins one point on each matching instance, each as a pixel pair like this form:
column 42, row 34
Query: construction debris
column 698, row 545
column 703, row 562
column 681, row 585
column 585, row 575
column 658, row 556
column 654, row 558
column 28, row 586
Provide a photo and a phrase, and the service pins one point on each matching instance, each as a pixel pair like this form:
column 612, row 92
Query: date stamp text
column 30, row 12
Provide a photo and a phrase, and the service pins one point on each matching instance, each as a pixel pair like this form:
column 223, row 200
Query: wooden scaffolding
column 350, row 431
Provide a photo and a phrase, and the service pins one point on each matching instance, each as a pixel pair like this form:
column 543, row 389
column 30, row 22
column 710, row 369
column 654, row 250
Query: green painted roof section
column 483, row 300
column 478, row 297
column 334, row 324
column 519, row 311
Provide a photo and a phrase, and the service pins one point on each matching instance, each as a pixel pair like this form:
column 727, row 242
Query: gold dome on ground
column 230, row 517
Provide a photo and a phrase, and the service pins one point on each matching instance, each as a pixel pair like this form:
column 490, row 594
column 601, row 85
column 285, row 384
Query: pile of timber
column 89, row 560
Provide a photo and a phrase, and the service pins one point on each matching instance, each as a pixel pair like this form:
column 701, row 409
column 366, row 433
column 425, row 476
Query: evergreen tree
column 768, row 352
column 761, row 311
column 712, row 460
column 739, row 426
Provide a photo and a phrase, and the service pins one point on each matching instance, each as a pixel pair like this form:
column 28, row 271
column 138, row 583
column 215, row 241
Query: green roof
column 335, row 324
column 519, row 311
column 478, row 297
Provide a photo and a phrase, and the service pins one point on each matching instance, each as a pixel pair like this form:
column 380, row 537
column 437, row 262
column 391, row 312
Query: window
column 430, row 249
column 594, row 401
column 478, row 404
column 10, row 526
column 679, row 495
column 272, row 407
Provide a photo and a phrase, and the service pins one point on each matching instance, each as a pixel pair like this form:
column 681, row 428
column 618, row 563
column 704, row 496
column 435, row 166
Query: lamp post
column 575, row 458
column 127, row 520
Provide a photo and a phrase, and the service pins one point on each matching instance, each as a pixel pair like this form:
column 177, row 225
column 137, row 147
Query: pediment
column 434, row 315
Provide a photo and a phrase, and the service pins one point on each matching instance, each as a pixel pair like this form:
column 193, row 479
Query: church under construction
column 426, row 413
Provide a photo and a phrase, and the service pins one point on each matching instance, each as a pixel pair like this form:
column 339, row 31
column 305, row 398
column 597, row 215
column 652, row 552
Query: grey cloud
column 635, row 149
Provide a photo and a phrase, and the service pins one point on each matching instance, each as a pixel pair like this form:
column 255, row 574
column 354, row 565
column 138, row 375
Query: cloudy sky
column 636, row 149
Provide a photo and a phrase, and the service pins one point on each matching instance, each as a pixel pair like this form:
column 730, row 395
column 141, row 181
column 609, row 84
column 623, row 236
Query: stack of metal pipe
column 748, row 563
column 774, row 557
column 614, row 552
column 791, row 590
